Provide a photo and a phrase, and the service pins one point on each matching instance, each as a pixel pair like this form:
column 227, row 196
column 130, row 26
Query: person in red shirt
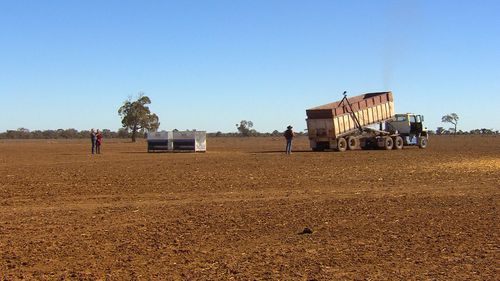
column 98, row 142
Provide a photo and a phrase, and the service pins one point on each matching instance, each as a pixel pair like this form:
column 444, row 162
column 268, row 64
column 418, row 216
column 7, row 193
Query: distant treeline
column 451, row 131
column 252, row 133
column 23, row 133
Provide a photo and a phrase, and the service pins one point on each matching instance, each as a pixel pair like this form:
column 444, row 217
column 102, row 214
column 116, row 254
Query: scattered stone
column 306, row 230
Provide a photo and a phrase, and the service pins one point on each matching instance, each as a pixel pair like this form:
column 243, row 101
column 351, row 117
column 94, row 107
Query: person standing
column 289, row 135
column 98, row 142
column 93, row 139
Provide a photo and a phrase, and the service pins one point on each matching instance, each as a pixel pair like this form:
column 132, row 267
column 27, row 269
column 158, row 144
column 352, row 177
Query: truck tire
column 388, row 143
column 398, row 142
column 352, row 143
column 341, row 144
column 422, row 142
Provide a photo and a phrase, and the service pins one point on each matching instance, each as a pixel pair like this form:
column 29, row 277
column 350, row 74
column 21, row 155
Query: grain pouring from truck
column 363, row 122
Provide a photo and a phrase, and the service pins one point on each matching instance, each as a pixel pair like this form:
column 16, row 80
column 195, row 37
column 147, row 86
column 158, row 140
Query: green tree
column 245, row 128
column 123, row 133
column 69, row 133
column 485, row 131
column 136, row 116
column 451, row 118
column 106, row 133
column 440, row 131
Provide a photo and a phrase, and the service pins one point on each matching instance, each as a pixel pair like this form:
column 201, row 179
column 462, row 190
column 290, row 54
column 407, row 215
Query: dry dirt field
column 237, row 212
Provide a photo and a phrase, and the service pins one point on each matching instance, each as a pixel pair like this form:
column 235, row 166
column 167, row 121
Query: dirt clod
column 306, row 230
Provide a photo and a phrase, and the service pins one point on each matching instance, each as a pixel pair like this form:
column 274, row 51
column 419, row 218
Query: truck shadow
column 161, row 152
column 282, row 151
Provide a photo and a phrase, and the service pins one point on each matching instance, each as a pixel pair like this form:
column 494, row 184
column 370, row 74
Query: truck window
column 401, row 118
column 412, row 119
column 418, row 119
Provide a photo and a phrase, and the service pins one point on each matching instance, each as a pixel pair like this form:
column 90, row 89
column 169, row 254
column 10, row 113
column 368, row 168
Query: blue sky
column 207, row 65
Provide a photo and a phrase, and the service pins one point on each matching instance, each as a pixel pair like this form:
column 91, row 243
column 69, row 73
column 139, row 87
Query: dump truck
column 366, row 121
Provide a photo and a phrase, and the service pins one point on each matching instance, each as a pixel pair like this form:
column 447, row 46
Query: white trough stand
column 177, row 141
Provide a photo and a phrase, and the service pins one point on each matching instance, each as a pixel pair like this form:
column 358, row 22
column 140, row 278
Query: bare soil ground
column 237, row 212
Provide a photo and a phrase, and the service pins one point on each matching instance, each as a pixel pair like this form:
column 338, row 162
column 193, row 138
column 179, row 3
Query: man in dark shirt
column 289, row 135
column 93, row 139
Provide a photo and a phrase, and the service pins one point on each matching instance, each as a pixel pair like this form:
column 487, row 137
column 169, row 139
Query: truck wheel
column 388, row 143
column 341, row 145
column 352, row 143
column 398, row 142
column 422, row 142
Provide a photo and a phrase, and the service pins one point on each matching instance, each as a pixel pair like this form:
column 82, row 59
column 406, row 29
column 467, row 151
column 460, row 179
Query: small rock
column 306, row 230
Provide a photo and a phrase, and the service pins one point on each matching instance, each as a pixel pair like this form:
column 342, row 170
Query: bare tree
column 451, row 118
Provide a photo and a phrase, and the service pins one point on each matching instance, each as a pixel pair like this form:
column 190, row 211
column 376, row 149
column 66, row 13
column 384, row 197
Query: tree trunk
column 134, row 132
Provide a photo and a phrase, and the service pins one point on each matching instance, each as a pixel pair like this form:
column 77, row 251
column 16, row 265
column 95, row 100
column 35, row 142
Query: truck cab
column 411, row 128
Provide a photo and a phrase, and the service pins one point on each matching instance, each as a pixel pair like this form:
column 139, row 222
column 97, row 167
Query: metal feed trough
column 177, row 141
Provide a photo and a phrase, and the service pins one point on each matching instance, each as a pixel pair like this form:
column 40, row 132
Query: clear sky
column 207, row 65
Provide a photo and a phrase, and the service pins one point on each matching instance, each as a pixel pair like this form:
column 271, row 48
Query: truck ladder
column 356, row 121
